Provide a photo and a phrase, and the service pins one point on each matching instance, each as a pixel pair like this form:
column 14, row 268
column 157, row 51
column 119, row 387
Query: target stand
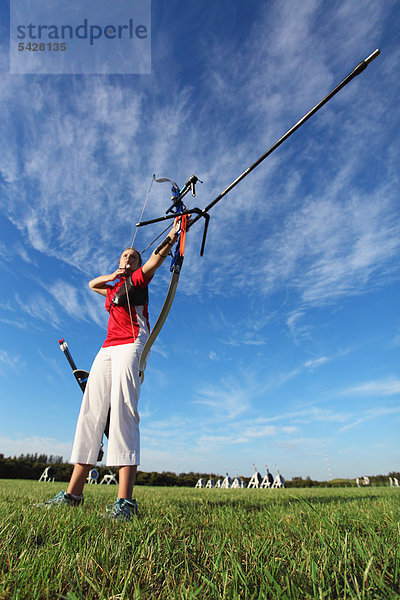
column 268, row 480
column 201, row 483
column 227, row 483
column 279, row 481
column 255, row 480
column 48, row 474
column 238, row 483
column 109, row 478
column 210, row 483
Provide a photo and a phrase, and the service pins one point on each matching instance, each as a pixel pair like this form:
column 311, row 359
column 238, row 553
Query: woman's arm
column 99, row 284
column 156, row 260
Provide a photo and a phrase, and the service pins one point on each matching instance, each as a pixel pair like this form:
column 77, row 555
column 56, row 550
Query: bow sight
column 179, row 209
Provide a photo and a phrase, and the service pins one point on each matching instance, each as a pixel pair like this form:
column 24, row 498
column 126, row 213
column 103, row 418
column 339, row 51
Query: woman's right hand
column 118, row 273
column 99, row 284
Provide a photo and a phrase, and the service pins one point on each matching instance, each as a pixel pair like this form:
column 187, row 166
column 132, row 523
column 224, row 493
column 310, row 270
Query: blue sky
column 282, row 345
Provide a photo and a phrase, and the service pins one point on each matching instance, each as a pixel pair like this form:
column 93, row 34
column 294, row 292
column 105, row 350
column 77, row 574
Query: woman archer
column 114, row 382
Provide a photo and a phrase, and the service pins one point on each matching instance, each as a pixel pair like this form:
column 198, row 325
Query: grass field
column 190, row 543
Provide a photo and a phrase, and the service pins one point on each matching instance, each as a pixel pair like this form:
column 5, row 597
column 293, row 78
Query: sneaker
column 64, row 498
column 122, row 509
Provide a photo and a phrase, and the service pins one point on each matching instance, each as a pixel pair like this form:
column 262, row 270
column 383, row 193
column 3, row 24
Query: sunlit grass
column 190, row 543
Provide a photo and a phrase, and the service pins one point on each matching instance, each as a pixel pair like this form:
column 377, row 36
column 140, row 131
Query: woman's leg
column 126, row 478
column 78, row 479
column 124, row 438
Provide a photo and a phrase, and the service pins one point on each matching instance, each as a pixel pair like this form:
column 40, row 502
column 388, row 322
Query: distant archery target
column 94, row 474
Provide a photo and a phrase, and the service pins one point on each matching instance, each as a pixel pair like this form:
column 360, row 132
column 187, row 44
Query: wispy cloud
column 245, row 338
column 290, row 430
column 329, row 249
column 60, row 298
column 371, row 414
column 228, row 400
column 280, row 378
column 39, row 308
column 62, row 192
column 260, row 431
column 316, row 362
column 9, row 255
column 337, row 239
column 307, row 415
column 78, row 303
column 10, row 361
column 297, row 324
column 385, row 387
column 68, row 163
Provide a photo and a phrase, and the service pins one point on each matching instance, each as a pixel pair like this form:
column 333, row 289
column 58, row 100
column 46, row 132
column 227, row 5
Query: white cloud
column 328, row 248
column 259, row 432
column 69, row 163
column 9, row 361
column 290, row 430
column 227, row 400
column 246, row 338
column 77, row 302
column 330, row 243
column 316, row 362
column 371, row 414
column 39, row 308
column 385, row 387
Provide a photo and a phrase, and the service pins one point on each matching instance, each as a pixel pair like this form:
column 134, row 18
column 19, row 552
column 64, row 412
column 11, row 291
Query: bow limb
column 173, row 284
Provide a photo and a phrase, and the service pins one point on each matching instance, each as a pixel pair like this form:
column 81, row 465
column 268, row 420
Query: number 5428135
column 42, row 47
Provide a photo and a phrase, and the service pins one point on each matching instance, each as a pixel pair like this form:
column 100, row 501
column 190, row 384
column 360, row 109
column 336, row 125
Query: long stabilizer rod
column 79, row 374
column 356, row 71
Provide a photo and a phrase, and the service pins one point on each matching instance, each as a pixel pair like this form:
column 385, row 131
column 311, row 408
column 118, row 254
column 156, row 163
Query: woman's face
column 129, row 260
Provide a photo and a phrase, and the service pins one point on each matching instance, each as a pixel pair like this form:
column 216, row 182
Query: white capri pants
column 113, row 383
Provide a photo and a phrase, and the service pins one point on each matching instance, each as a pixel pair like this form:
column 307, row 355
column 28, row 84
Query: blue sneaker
column 122, row 509
column 64, row 498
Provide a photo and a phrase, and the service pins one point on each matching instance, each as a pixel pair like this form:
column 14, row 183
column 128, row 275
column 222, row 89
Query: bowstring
column 130, row 311
column 141, row 214
column 131, row 246
column 147, row 247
